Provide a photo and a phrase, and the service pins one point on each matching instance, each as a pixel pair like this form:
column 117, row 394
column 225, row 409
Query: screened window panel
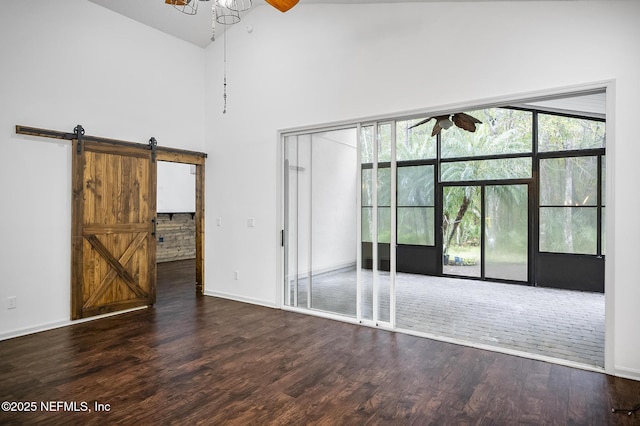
column 366, row 144
column 415, row 212
column 416, row 143
column 503, row 168
column 367, row 187
column 367, row 224
column 569, row 230
column 384, row 187
column 416, row 225
column 415, row 186
column 502, row 131
column 384, row 205
column 569, row 181
column 384, row 143
column 384, row 224
column 556, row 133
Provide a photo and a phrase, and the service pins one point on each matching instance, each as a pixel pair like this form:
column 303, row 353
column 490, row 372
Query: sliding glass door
column 327, row 175
column 393, row 223
column 320, row 200
column 461, row 230
column 377, row 219
column 506, row 233
column 485, row 230
column 519, row 199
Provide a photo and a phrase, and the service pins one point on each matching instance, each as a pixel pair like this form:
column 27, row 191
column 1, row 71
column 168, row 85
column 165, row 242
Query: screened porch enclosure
column 384, row 222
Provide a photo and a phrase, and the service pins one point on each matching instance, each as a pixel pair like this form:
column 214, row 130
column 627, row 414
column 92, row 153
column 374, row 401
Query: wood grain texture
column 204, row 360
column 77, row 222
column 177, row 156
column 199, row 217
column 114, row 246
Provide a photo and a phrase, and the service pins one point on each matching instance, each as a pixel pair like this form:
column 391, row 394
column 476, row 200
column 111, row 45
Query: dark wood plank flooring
column 191, row 360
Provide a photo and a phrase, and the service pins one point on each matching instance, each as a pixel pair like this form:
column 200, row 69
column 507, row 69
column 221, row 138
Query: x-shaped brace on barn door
column 117, row 268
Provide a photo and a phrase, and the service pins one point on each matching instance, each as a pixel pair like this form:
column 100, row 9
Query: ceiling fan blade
column 282, row 5
column 465, row 121
column 436, row 129
column 420, row 123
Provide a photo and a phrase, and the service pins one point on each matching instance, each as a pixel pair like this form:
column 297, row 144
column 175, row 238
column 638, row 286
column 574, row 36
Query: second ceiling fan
column 460, row 119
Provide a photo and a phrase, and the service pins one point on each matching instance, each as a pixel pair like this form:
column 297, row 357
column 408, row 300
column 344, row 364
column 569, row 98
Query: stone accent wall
column 176, row 237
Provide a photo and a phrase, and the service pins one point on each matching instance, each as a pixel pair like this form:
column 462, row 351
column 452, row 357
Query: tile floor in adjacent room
column 562, row 324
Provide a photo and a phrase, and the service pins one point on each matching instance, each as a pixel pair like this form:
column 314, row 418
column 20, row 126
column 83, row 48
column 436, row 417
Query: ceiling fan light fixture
column 226, row 16
column 445, row 123
column 282, row 5
column 235, row 5
column 188, row 7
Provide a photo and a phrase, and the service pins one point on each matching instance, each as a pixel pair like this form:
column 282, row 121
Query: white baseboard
column 627, row 373
column 237, row 298
column 58, row 324
column 329, row 269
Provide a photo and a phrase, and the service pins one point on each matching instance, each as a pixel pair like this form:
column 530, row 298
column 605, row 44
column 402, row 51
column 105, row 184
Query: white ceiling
column 196, row 29
column 588, row 105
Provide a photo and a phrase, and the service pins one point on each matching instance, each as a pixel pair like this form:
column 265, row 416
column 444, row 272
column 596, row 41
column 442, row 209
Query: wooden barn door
column 113, row 228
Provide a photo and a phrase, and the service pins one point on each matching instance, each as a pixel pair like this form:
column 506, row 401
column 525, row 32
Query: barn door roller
column 153, row 146
column 78, row 132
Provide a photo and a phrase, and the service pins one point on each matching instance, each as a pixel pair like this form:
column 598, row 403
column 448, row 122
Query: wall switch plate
column 251, row 222
column 236, row 275
column 218, row 221
column 12, row 302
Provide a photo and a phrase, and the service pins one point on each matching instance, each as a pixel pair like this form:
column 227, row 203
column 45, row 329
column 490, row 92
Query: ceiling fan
column 460, row 119
column 281, row 5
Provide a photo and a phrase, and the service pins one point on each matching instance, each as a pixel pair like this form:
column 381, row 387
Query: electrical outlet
column 12, row 302
column 251, row 222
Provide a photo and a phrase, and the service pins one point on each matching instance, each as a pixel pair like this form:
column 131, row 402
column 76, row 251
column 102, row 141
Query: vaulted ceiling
column 196, row 29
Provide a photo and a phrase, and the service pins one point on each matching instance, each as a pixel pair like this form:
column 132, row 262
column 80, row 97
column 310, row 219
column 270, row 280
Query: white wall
column 322, row 211
column 326, row 63
column 66, row 63
column 176, row 183
column 334, row 200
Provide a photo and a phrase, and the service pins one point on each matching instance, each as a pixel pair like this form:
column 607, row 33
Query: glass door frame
column 482, row 184
column 375, row 320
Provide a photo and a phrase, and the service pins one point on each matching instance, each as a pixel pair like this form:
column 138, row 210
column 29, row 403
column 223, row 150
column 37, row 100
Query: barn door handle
column 155, row 225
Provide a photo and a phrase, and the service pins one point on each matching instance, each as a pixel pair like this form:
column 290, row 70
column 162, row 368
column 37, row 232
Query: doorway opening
column 443, row 216
column 177, row 224
column 486, row 231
